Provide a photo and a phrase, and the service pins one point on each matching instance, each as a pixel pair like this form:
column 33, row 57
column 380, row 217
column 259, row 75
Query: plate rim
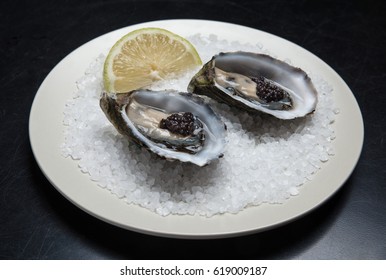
column 184, row 228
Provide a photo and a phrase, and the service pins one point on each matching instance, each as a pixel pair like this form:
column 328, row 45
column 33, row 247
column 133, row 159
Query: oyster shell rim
column 203, row 83
column 114, row 107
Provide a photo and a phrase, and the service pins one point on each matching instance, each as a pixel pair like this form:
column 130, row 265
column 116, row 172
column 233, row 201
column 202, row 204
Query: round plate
column 46, row 136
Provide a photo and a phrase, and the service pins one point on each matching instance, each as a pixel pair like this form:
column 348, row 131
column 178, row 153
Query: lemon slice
column 147, row 55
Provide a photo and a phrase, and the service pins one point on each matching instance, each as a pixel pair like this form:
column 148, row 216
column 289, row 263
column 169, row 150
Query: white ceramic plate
column 46, row 136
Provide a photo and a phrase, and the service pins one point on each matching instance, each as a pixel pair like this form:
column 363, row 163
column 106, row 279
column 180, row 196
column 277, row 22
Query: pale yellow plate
column 46, row 136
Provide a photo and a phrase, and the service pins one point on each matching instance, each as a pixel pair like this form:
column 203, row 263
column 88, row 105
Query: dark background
column 36, row 222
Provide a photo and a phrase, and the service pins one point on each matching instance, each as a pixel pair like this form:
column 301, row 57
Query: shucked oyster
column 171, row 124
column 256, row 82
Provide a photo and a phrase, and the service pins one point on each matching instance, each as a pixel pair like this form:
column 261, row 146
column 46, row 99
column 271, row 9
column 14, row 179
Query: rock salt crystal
column 266, row 160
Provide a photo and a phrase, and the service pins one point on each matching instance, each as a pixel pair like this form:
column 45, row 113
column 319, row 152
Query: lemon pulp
column 147, row 55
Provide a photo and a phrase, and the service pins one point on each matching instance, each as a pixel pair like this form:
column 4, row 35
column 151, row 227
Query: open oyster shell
column 256, row 82
column 174, row 125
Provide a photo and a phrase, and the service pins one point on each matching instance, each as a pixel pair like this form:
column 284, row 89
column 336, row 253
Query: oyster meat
column 172, row 124
column 256, row 82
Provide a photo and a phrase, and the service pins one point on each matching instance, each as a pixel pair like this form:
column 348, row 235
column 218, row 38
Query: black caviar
column 181, row 123
column 268, row 91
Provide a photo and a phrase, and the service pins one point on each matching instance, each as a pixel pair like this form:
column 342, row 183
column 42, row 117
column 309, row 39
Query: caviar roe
column 268, row 91
column 184, row 124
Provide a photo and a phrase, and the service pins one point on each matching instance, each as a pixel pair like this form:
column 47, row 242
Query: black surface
column 36, row 222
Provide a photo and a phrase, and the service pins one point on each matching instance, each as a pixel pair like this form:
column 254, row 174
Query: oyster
column 172, row 124
column 256, row 82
